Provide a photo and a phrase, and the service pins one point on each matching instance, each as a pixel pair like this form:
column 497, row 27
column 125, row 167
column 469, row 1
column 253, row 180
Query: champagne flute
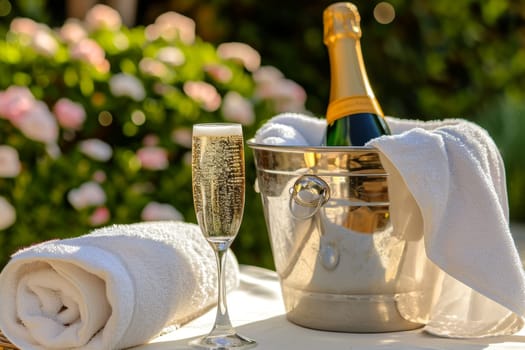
column 218, row 197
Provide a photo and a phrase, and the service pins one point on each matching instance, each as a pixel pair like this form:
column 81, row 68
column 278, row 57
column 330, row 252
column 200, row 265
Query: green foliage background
column 437, row 59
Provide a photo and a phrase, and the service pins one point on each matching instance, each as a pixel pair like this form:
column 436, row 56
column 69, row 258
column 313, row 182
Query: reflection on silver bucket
column 341, row 265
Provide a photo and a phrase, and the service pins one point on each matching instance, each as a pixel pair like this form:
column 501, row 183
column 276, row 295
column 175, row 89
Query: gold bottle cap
column 341, row 20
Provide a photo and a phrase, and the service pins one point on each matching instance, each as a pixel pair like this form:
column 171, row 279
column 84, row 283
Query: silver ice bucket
column 342, row 266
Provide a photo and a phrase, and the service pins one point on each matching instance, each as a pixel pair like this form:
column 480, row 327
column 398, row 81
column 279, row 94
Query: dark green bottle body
column 355, row 130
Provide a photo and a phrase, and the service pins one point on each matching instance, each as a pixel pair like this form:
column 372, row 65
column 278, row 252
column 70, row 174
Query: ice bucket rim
column 300, row 149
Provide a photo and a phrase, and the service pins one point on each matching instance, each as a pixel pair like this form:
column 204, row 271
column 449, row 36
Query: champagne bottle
column 354, row 116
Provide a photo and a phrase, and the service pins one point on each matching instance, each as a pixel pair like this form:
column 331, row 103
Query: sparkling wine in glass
column 218, row 197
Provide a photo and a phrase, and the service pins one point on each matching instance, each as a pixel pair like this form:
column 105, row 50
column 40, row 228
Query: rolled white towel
column 292, row 129
column 114, row 288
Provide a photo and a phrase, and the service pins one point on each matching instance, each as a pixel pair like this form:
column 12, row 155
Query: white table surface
column 257, row 311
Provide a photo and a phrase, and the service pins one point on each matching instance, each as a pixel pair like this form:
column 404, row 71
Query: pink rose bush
column 155, row 211
column 8, row 216
column 88, row 194
column 69, row 114
column 89, row 51
column 96, row 149
column 238, row 109
column 100, row 216
column 153, row 158
column 72, row 31
column 122, row 84
column 31, row 116
column 241, row 52
column 96, row 120
column 203, row 93
column 15, row 102
column 103, row 17
column 171, row 26
column 273, row 85
column 9, row 161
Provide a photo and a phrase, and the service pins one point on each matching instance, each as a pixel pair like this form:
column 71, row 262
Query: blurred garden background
column 113, row 96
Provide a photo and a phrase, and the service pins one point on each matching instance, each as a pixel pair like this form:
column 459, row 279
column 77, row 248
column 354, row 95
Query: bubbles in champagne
column 218, row 183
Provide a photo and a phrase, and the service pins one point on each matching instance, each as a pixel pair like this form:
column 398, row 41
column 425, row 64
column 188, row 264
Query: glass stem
column 222, row 320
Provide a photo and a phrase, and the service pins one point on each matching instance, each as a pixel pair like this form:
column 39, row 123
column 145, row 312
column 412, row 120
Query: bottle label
column 352, row 105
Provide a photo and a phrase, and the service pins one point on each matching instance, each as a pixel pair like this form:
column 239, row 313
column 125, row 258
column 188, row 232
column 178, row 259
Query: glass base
column 223, row 342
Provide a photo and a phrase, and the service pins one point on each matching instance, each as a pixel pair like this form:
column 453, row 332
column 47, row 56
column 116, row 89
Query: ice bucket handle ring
column 308, row 191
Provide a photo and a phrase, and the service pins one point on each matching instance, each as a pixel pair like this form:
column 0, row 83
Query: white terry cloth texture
column 446, row 181
column 291, row 129
column 116, row 287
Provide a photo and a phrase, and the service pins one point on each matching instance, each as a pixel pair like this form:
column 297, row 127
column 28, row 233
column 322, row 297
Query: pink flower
column 171, row 55
column 182, row 136
column 100, row 216
column 219, row 72
column 267, row 74
column 15, row 101
column 44, row 42
column 170, row 26
column 204, row 93
column 236, row 108
column 9, row 161
column 153, row 158
column 73, row 31
column 24, row 26
column 103, row 17
column 244, row 53
column 153, row 67
column 70, row 115
column 150, row 140
column 88, row 194
column 122, row 84
column 8, row 216
column 287, row 95
column 91, row 52
column 38, row 124
column 96, row 149
column 155, row 211
column 37, row 34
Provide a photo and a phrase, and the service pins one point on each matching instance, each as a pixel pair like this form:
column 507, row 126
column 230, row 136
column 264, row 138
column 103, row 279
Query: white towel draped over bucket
column 447, row 181
column 116, row 287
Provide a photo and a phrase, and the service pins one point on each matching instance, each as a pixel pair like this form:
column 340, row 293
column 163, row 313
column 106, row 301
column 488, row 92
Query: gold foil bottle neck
column 341, row 20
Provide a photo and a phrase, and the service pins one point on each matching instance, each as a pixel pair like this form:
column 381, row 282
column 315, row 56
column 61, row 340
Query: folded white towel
column 450, row 177
column 455, row 178
column 116, row 287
